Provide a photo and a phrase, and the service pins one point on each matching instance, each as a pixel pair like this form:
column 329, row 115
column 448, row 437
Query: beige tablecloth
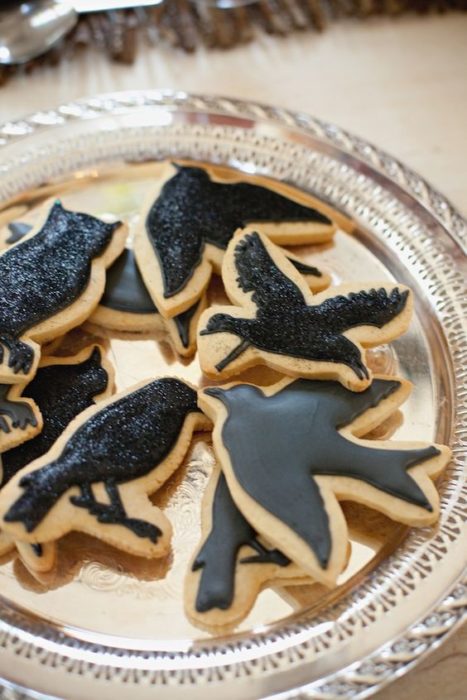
column 401, row 83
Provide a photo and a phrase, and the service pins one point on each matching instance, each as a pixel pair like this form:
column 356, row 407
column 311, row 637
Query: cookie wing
column 258, row 273
column 374, row 307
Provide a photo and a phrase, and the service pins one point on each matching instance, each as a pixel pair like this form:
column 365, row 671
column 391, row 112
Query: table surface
column 400, row 83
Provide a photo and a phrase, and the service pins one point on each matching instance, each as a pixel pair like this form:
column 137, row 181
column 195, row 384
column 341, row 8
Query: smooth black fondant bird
column 218, row 556
column 123, row 441
column 192, row 210
column 45, row 274
column 284, row 322
column 277, row 444
column 61, row 392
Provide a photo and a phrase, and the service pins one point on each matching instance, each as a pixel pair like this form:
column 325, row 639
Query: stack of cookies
column 77, row 457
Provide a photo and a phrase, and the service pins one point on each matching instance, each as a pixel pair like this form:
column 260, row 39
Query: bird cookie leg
column 233, row 354
column 113, row 513
column 20, row 412
column 141, row 528
column 21, row 355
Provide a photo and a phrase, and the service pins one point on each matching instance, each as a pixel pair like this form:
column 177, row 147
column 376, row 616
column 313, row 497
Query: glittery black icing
column 286, row 325
column 192, row 210
column 60, row 392
column 125, row 289
column 218, row 556
column 18, row 231
column 291, row 436
column 19, row 412
column 45, row 274
column 123, row 441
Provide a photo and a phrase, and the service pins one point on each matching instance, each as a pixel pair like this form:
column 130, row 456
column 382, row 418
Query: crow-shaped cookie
column 277, row 322
column 50, row 281
column 232, row 565
column 291, row 451
column 190, row 219
column 62, row 388
column 97, row 476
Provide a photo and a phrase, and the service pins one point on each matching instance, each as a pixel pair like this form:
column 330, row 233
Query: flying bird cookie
column 189, row 220
column 62, row 388
column 277, row 322
column 50, row 281
column 97, row 476
column 232, row 565
column 127, row 306
column 291, row 451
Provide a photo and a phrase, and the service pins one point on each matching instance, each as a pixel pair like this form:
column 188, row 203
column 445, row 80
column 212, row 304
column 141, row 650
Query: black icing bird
column 193, row 210
column 285, row 324
column 124, row 441
column 61, row 391
column 293, row 435
column 45, row 274
column 218, row 556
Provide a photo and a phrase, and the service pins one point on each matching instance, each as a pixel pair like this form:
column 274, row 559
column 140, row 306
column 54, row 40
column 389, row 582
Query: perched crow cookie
column 50, row 281
column 61, row 389
column 291, row 451
column 97, row 476
column 127, row 306
column 233, row 565
column 189, row 220
column 277, row 322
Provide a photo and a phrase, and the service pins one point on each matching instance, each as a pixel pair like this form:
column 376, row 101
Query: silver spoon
column 29, row 29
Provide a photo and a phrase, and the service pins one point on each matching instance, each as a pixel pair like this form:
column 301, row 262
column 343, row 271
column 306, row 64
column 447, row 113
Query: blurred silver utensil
column 29, row 29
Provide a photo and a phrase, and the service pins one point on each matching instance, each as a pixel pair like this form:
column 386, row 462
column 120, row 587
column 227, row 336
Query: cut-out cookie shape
column 50, row 281
column 233, row 565
column 279, row 323
column 62, row 388
column 292, row 450
column 191, row 217
column 97, row 476
column 127, row 306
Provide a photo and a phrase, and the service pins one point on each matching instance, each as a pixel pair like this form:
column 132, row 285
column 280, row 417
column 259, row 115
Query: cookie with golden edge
column 50, row 281
column 232, row 565
column 190, row 217
column 276, row 320
column 98, row 475
column 291, row 451
column 62, row 388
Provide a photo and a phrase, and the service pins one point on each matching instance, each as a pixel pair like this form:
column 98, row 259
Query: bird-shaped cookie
column 61, row 389
column 50, row 281
column 97, row 476
column 291, row 451
column 279, row 322
column 190, row 218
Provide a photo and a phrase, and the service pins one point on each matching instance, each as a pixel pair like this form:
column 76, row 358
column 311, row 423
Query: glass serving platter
column 112, row 625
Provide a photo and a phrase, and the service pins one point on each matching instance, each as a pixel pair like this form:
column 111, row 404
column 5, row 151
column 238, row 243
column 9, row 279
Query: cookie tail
column 42, row 489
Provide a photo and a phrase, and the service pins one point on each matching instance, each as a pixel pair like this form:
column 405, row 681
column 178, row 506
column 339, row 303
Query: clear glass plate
column 111, row 625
